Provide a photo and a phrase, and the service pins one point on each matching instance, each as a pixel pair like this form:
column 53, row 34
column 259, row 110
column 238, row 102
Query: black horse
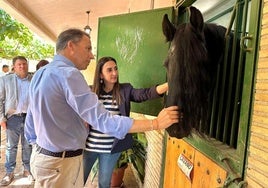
column 196, row 50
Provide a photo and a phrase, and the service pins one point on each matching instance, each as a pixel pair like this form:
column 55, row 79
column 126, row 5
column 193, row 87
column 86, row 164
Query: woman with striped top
column 116, row 98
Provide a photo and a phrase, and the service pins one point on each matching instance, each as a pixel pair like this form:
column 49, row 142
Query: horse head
column 195, row 50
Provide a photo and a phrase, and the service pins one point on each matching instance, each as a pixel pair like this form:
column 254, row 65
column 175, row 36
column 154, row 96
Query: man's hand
column 167, row 117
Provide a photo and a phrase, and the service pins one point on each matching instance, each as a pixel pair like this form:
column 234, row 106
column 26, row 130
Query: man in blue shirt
column 61, row 106
column 13, row 107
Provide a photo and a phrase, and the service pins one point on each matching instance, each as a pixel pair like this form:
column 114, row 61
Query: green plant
column 124, row 158
column 138, row 157
column 17, row 39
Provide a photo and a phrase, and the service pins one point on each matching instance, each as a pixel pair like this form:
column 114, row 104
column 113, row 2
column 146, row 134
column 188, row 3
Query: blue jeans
column 15, row 131
column 107, row 162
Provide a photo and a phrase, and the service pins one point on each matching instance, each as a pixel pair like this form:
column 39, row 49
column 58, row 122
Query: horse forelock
column 191, row 51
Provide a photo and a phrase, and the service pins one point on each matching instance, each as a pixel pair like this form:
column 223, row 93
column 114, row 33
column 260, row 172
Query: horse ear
column 196, row 19
column 168, row 28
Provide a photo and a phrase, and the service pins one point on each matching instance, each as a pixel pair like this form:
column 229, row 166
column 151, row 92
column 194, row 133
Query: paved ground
column 19, row 181
column 22, row 182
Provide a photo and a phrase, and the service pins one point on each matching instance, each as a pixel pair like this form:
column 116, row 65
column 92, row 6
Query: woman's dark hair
column 98, row 84
column 41, row 63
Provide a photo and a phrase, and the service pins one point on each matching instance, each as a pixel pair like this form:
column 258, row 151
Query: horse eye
column 166, row 63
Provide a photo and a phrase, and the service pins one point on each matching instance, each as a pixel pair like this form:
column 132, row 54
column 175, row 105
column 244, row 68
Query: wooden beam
column 18, row 11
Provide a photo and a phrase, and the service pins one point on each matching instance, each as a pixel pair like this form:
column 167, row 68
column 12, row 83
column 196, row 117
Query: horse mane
column 196, row 49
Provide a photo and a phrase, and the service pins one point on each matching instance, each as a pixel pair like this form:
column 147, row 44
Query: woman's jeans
column 15, row 131
column 107, row 163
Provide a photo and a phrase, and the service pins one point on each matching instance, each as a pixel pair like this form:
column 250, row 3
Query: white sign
column 185, row 165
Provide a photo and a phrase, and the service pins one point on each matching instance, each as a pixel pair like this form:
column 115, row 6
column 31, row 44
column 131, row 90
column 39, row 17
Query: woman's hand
column 160, row 89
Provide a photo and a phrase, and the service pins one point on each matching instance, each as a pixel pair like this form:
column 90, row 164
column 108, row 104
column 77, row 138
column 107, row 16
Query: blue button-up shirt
column 23, row 89
column 60, row 101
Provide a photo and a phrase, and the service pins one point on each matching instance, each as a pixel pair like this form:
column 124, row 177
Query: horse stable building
column 232, row 150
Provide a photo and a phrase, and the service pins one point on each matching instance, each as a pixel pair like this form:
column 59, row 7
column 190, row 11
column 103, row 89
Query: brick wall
column 257, row 164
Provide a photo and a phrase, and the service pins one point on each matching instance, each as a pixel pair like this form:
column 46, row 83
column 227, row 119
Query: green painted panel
column 136, row 41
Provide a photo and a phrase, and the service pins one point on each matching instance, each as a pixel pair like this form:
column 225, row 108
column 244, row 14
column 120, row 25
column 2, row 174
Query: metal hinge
column 233, row 177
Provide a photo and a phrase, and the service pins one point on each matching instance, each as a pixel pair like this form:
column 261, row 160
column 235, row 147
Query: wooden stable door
column 204, row 174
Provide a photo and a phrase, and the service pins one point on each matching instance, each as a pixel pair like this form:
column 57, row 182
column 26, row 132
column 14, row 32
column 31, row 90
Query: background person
column 5, row 70
column 13, row 107
column 116, row 98
column 60, row 104
column 41, row 63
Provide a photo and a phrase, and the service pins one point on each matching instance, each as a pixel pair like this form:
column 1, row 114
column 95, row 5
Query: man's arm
column 165, row 118
column 29, row 130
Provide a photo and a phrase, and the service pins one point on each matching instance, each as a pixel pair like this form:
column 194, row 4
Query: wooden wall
column 257, row 163
column 205, row 173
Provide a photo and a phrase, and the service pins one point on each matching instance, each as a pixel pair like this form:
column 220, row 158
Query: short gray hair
column 74, row 35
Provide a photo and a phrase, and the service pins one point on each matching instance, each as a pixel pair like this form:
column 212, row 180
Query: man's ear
column 70, row 44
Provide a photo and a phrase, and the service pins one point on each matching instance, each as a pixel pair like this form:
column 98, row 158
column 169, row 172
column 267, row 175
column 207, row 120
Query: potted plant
column 136, row 155
column 119, row 170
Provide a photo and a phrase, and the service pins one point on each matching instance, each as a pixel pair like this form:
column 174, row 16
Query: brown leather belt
column 64, row 154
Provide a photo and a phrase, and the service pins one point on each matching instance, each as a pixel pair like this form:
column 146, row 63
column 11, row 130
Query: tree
column 16, row 39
